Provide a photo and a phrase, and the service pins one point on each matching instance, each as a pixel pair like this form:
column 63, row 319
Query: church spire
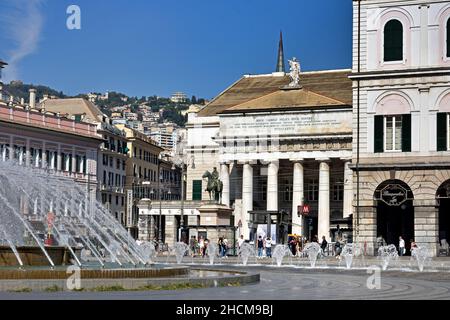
column 280, row 62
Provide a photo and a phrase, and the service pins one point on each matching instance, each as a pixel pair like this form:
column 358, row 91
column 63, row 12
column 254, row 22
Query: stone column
column 53, row 160
column 348, row 190
column 44, row 163
column 11, row 148
column 272, row 186
column 59, row 159
column 225, row 178
column 170, row 231
column 297, row 197
column 324, row 200
column 74, row 161
column 426, row 224
column 27, row 154
column 152, row 228
column 82, row 164
column 247, row 198
column 36, row 158
column 365, row 228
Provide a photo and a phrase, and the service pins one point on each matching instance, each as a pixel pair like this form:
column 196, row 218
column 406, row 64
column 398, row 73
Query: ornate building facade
column 281, row 141
column 401, row 81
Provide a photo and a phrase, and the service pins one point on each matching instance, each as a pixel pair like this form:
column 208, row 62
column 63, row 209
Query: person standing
column 220, row 245
column 225, row 247
column 201, row 245
column 206, row 242
column 268, row 247
column 260, row 245
column 240, row 241
column 324, row 245
column 401, row 247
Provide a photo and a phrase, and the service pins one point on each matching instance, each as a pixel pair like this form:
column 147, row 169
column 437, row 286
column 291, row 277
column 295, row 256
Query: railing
column 36, row 118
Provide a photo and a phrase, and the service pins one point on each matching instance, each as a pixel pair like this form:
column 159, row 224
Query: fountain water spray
column 350, row 252
column 180, row 249
column 279, row 252
column 211, row 251
column 245, row 252
column 148, row 251
column 28, row 196
column 387, row 254
column 312, row 251
column 423, row 255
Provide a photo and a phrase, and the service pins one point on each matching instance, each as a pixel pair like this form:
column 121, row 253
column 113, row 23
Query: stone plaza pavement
column 291, row 283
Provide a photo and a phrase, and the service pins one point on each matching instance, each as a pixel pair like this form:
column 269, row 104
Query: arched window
column 448, row 38
column 393, row 41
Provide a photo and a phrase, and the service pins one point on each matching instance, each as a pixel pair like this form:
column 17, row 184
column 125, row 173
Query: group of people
column 401, row 245
column 264, row 246
column 199, row 247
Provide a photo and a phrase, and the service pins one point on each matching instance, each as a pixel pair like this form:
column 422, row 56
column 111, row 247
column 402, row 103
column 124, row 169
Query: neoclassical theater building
column 278, row 142
column 401, row 101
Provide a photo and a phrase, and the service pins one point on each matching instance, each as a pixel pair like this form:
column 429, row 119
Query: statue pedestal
column 215, row 215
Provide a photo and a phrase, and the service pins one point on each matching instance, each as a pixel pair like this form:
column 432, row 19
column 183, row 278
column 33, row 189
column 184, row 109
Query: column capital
column 244, row 162
column 323, row 159
column 269, row 162
column 299, row 160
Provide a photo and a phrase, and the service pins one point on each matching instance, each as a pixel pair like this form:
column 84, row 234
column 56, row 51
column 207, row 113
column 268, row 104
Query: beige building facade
column 401, row 81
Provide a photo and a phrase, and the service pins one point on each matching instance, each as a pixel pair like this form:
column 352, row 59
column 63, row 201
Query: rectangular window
column 288, row 190
column 338, row 190
column 197, row 190
column 312, row 190
column 443, row 132
column 393, row 133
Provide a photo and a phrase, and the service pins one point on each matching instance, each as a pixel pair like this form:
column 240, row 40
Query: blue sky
column 146, row 47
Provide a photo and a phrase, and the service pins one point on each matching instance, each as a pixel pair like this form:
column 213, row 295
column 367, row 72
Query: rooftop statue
column 295, row 72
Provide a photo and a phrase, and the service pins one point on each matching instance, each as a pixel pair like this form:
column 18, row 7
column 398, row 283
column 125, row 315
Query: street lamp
column 179, row 160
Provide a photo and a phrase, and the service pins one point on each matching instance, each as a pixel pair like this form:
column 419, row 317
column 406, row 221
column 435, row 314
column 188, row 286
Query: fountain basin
column 33, row 256
column 154, row 278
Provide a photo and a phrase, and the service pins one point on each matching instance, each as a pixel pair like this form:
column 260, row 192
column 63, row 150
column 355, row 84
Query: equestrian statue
column 214, row 185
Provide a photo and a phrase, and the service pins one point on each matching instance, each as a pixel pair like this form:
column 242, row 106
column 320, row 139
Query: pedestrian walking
column 268, row 246
column 225, row 247
column 401, row 247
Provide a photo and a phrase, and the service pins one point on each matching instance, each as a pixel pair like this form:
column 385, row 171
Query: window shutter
column 448, row 38
column 441, row 132
column 379, row 134
column 197, row 190
column 406, row 133
column 393, row 41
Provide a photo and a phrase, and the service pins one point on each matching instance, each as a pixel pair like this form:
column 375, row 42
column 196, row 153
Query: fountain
column 348, row 254
column 180, row 249
column 211, row 251
column 148, row 251
column 279, row 252
column 422, row 254
column 312, row 250
column 245, row 252
column 50, row 223
column 387, row 254
column 47, row 219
